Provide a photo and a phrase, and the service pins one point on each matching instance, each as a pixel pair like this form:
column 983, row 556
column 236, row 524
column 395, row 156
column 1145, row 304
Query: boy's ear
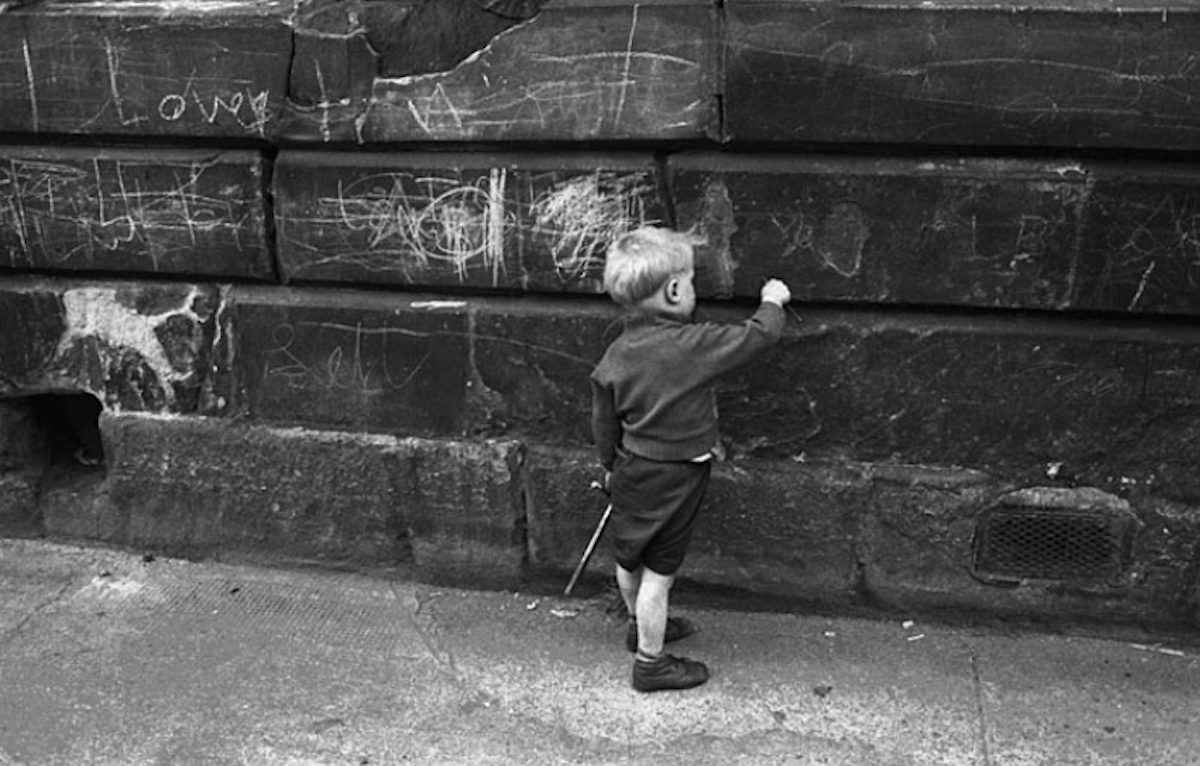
column 671, row 291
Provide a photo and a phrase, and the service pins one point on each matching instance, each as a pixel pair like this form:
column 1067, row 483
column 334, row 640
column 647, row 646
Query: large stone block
column 1052, row 74
column 1010, row 233
column 573, row 72
column 483, row 220
column 145, row 211
column 144, row 68
column 1100, row 404
column 446, row 511
column 135, row 346
column 369, row 361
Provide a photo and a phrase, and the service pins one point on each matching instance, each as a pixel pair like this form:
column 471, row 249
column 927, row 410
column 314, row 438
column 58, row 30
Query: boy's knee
column 655, row 581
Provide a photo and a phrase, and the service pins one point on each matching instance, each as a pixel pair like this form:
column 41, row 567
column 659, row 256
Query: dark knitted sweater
column 652, row 392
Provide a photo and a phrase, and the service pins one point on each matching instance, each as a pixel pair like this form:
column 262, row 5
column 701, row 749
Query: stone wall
column 333, row 271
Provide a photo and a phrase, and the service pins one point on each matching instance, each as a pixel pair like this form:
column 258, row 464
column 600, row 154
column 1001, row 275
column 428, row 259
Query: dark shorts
column 654, row 511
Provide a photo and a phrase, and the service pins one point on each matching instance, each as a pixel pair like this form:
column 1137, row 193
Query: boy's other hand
column 775, row 291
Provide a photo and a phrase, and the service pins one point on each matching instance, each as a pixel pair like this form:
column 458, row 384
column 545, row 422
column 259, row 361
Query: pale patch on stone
column 96, row 312
column 436, row 305
column 109, row 587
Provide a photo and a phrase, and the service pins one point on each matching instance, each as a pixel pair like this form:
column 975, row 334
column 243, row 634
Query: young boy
column 654, row 420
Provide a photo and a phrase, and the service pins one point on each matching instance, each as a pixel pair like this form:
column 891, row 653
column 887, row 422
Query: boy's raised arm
column 733, row 345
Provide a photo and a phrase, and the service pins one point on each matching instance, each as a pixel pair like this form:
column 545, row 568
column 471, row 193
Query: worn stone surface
column 515, row 221
column 133, row 345
column 1145, row 219
column 25, row 453
column 18, row 503
column 22, row 442
column 332, row 63
column 562, row 510
column 1007, row 395
column 1053, row 74
column 572, row 72
column 848, row 535
column 207, row 487
column 468, row 524
column 190, row 212
column 172, row 660
column 771, row 528
column 1009, row 233
column 349, row 360
column 917, row 552
column 532, row 362
column 99, row 67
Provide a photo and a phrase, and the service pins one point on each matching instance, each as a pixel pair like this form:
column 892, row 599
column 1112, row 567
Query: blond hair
column 641, row 261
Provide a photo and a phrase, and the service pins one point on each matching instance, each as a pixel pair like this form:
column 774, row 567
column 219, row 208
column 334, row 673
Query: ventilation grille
column 1018, row 543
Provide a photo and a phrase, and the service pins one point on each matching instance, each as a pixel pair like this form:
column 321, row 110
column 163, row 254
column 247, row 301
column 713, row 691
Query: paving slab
column 119, row 658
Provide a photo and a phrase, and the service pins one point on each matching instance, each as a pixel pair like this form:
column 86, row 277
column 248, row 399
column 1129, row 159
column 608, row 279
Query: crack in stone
column 417, row 610
column 7, row 637
column 979, row 709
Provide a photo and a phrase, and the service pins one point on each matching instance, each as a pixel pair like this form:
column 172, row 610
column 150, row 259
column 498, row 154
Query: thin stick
column 587, row 554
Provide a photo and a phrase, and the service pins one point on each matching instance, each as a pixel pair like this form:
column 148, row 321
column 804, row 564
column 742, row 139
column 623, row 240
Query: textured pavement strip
column 108, row 659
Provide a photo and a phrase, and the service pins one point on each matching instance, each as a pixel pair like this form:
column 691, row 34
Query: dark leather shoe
column 668, row 672
column 677, row 628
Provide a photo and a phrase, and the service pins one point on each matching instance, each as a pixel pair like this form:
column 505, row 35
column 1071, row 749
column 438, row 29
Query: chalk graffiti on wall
column 52, row 213
column 578, row 217
column 405, row 221
column 130, row 92
column 1145, row 235
column 613, row 72
column 495, row 225
column 353, row 359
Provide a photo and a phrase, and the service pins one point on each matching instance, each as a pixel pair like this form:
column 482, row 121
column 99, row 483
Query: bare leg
column 652, row 604
column 629, row 582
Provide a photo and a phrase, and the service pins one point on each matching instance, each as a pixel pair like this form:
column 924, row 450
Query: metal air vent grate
column 1018, row 543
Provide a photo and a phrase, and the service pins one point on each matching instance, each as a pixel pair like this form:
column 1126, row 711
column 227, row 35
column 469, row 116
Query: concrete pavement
column 107, row 658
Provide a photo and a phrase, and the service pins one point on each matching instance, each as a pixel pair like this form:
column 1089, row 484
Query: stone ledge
column 838, row 536
column 444, row 510
column 845, row 536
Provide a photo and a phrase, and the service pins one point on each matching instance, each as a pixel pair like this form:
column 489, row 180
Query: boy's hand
column 775, row 291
